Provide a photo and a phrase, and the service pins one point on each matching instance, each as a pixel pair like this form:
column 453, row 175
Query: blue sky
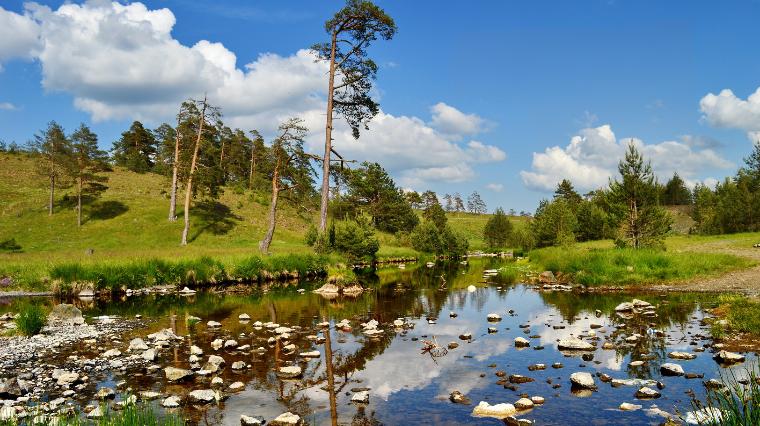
column 500, row 97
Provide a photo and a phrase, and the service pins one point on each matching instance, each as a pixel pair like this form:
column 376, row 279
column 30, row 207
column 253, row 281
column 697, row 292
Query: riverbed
column 431, row 306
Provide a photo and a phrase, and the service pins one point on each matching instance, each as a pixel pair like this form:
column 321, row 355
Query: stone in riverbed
column 726, row 357
column 105, row 393
column 111, row 353
column 171, row 402
column 65, row 313
column 194, row 350
column 312, row 354
column 287, row 419
column 582, row 380
column 174, row 374
column 537, row 400
column 629, row 407
column 66, row 378
column 573, row 344
column 137, row 344
column 493, row 317
column 499, row 411
column 251, row 421
column 681, row 355
column 213, row 324
column 149, row 395
column 217, row 344
column 238, row 365
column 518, row 379
column 290, row 372
column 149, row 355
column 624, row 307
column 459, row 398
column 204, row 396
column 521, row 342
column 523, row 404
column 236, row 386
column 647, row 393
column 360, row 397
column 244, row 317
column 671, row 369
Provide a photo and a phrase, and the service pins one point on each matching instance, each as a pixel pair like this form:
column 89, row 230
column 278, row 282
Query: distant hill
column 681, row 218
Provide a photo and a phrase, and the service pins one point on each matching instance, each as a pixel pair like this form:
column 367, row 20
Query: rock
column 105, row 393
column 493, row 317
column 312, row 354
column 291, row 372
column 65, row 313
column 203, row 396
column 681, row 355
column 66, row 378
column 194, row 350
column 171, row 402
column 237, row 386
column 499, row 411
column 214, row 324
column 524, row 404
column 573, row 344
column 149, row 355
column 164, row 335
column 238, row 365
column 174, row 374
column 647, row 393
column 714, row 384
column 360, row 397
column 582, row 380
column 137, row 344
column 13, row 388
column 230, row 344
column 459, row 398
column 518, row 379
column 537, row 400
column 328, row 289
column 671, row 369
column 725, row 357
column 287, row 419
column 608, row 346
column 453, row 345
column 547, row 277
column 465, row 336
column 624, row 307
column 149, row 395
column 521, row 342
column 251, row 421
column 244, row 317
column 216, row 360
column 217, row 344
column 629, row 407
column 186, row 291
column 96, row 413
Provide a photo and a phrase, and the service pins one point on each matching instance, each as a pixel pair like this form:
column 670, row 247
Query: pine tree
column 136, row 150
column 88, row 161
column 566, row 191
column 53, row 151
column 458, row 203
column 498, row 230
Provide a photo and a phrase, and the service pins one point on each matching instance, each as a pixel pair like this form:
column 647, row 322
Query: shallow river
column 408, row 386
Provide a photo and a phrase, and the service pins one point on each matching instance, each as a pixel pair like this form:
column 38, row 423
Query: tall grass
column 31, row 319
column 742, row 314
column 629, row 266
column 738, row 403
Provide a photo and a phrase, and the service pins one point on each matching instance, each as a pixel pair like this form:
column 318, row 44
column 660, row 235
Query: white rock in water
column 244, row 317
column 537, row 400
column 174, row 374
column 217, row 344
column 521, row 342
column 194, row 350
column 230, row 343
column 238, row 365
column 499, row 411
column 360, row 397
column 671, row 369
column 312, row 354
column 213, row 324
column 681, row 355
column 216, row 360
column 289, row 372
column 574, row 344
column 493, row 317
column 287, row 419
column 582, row 380
column 149, row 355
column 629, row 407
column 523, row 404
column 398, row 323
column 624, row 307
column 471, row 288
column 647, row 393
column 149, row 395
column 251, row 421
column 171, row 402
column 137, row 344
column 203, row 396
column 728, row 357
column 186, row 290
column 236, row 386
column 283, row 330
column 111, row 353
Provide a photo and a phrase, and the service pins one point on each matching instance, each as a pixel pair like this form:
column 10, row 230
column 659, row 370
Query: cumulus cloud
column 454, row 122
column 19, row 36
column 727, row 110
column 496, row 187
column 591, row 158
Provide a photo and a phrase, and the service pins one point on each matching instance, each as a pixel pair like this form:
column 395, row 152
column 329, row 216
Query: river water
column 410, row 386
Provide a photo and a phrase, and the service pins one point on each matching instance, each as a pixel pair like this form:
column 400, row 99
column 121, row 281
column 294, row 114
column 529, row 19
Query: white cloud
column 451, row 121
column 727, row 110
column 496, row 187
column 7, row 106
column 591, row 159
column 19, row 36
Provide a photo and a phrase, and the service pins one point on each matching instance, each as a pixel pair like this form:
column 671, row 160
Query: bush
column 311, row 237
column 356, row 239
column 498, row 230
column 427, row 238
column 31, row 319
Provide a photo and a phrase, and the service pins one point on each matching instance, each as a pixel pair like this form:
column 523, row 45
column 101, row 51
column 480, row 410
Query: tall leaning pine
column 52, row 150
column 191, row 172
column 175, row 164
column 351, row 31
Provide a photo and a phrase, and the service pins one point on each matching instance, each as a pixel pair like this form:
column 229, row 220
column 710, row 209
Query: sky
column 501, row 97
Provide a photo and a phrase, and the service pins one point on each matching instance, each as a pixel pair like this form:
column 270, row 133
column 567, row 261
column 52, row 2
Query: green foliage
column 742, row 314
column 524, row 238
column 567, row 192
column 312, row 235
column 356, row 239
column 592, row 222
column 136, row 149
column 554, row 224
column 498, row 230
column 10, row 246
column 31, row 318
column 630, row 266
column 675, row 192
column 475, row 204
column 737, row 404
column 644, row 223
column 130, row 415
column 428, row 238
column 435, row 214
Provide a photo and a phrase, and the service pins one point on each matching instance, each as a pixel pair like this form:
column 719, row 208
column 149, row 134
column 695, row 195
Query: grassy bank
column 609, row 266
column 739, row 315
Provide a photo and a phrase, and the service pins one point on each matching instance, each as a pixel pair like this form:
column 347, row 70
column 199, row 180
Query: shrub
column 311, row 237
column 498, row 230
column 427, row 238
column 31, row 319
column 356, row 239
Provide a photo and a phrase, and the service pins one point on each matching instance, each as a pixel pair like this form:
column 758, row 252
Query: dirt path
column 746, row 281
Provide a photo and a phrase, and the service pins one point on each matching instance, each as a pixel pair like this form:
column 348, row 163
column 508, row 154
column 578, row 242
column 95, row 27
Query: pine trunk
column 253, row 166
column 79, row 201
column 175, row 172
column 328, row 140
column 189, row 188
column 264, row 245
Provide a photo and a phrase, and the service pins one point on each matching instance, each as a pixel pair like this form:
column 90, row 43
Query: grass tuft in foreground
column 738, row 403
column 31, row 319
column 628, row 266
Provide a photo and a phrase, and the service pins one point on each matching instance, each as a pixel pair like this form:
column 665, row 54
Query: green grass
column 31, row 319
column 607, row 266
column 741, row 313
column 735, row 405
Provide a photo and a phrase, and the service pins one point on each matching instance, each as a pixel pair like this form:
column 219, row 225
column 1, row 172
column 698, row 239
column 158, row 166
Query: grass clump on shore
column 741, row 314
column 31, row 319
column 735, row 404
column 628, row 266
